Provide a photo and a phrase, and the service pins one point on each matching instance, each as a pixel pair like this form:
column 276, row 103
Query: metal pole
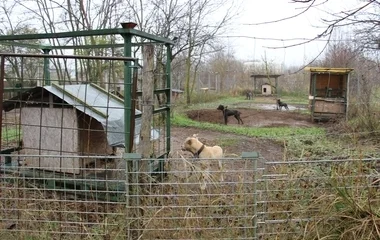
column 254, row 156
column 2, row 77
column 169, row 94
column 46, row 77
column 254, row 219
column 128, row 139
column 347, row 94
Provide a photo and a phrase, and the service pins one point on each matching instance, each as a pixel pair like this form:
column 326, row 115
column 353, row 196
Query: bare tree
column 190, row 23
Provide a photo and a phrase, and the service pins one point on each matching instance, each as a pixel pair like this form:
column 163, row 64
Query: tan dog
column 199, row 150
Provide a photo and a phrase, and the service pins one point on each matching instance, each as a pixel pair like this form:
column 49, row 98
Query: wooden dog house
column 70, row 120
column 266, row 89
column 328, row 93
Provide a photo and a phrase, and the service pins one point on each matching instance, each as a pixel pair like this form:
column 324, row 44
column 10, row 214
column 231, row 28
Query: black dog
column 281, row 104
column 248, row 95
column 228, row 112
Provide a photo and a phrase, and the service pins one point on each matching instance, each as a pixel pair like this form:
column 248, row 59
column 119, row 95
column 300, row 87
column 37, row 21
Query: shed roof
column 90, row 99
column 266, row 75
column 329, row 70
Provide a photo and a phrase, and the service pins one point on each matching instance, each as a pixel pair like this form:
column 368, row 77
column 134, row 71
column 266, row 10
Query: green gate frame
column 127, row 32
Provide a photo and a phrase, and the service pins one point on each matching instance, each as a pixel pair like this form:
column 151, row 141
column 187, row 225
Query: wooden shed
column 328, row 92
column 62, row 123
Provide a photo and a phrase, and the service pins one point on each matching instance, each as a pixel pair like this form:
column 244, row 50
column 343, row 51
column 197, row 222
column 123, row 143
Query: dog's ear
column 189, row 141
column 195, row 135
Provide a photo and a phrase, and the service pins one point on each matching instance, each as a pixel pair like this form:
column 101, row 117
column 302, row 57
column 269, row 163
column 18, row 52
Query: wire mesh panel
column 62, row 167
column 197, row 199
column 324, row 199
column 48, row 204
column 210, row 199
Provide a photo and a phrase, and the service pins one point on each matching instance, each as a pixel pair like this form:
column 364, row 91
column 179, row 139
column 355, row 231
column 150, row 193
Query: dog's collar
column 196, row 155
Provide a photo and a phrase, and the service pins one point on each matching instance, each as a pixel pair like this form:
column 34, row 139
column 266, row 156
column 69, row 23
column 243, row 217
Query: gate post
column 254, row 156
column 47, row 81
column 132, row 190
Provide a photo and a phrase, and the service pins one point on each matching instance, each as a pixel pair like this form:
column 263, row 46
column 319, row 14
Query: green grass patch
column 11, row 134
column 273, row 132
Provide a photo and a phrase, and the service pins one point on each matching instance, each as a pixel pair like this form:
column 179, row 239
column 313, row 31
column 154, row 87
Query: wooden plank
column 51, row 131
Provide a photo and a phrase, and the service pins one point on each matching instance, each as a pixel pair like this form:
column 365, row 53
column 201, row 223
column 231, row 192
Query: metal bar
column 2, row 77
column 46, row 76
column 168, row 95
column 133, row 104
column 254, row 157
column 347, row 98
column 86, row 33
column 128, row 137
column 68, row 56
column 17, row 89
column 163, row 109
column 91, row 46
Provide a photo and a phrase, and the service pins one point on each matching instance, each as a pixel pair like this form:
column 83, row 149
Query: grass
column 331, row 201
column 278, row 133
column 11, row 134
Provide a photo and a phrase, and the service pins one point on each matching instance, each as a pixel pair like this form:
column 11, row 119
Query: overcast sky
column 253, row 39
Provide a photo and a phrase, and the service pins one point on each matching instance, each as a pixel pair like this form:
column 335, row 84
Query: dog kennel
column 328, row 92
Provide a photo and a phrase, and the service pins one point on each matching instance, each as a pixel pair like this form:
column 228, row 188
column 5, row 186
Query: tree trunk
column 147, row 101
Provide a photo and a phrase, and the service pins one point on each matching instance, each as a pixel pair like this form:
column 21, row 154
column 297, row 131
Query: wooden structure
column 328, row 93
column 266, row 89
column 176, row 93
column 273, row 89
column 71, row 120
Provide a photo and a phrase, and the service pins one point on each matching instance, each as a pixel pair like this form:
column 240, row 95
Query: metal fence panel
column 192, row 199
column 319, row 199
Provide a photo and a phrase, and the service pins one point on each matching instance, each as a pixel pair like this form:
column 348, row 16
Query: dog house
column 70, row 120
column 176, row 94
column 266, row 89
column 328, row 94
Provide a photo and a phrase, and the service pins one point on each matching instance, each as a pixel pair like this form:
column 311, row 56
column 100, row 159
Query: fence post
column 254, row 156
column 132, row 194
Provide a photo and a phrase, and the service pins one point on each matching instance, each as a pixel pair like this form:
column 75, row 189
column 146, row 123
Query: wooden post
column 147, row 101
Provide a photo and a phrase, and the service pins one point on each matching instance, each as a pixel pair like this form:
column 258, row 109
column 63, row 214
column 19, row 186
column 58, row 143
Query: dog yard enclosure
column 328, row 94
column 81, row 132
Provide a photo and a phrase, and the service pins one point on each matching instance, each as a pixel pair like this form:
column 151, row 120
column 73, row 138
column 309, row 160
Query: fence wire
column 332, row 199
column 192, row 199
column 232, row 198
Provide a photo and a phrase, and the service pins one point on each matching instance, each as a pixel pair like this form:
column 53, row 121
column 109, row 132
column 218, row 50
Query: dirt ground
column 267, row 148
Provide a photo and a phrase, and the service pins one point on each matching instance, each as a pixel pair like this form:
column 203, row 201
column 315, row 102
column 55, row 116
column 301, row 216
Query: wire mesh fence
column 192, row 199
column 327, row 198
column 230, row 198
